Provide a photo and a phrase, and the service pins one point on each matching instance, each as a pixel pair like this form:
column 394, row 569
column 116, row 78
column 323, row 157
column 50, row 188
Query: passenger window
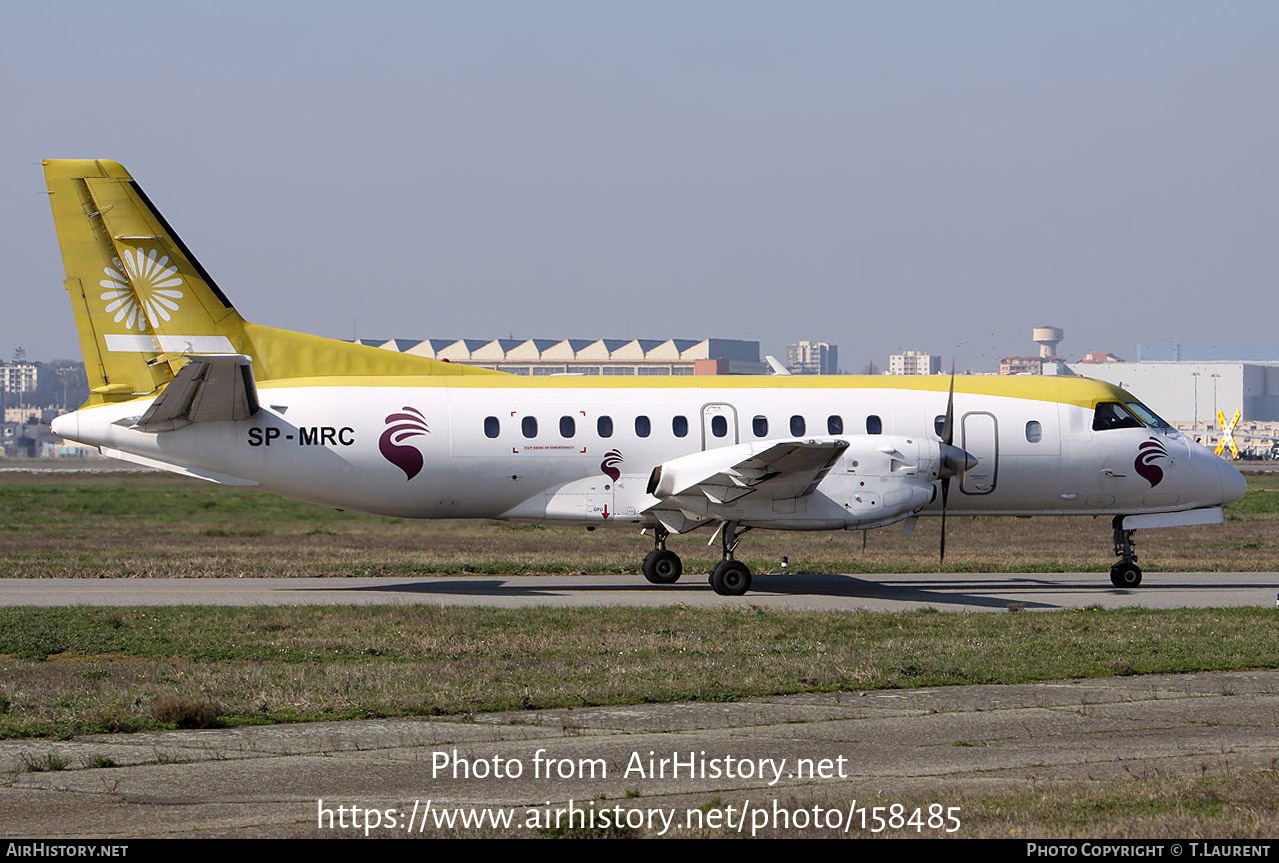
column 492, row 428
column 604, row 426
column 568, row 427
column 528, row 425
column 1113, row 415
column 834, row 424
column 679, row 425
column 1034, row 431
column 719, row 426
column 874, row 425
column 643, row 428
column 797, row 426
column 760, row 426
column 939, row 425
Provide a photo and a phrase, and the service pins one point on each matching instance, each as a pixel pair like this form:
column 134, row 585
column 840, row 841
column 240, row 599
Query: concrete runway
column 945, row 592
column 946, row 745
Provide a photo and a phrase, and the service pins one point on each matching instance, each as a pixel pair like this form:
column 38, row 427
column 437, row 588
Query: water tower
column 1047, row 338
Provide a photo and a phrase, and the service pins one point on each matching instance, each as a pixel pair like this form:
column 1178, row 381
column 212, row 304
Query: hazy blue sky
column 878, row 175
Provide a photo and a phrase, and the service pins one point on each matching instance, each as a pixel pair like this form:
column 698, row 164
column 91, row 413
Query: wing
column 209, row 388
column 777, row 470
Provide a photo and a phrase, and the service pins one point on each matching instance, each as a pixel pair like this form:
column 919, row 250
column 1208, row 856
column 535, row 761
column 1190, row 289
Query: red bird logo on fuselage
column 1148, row 453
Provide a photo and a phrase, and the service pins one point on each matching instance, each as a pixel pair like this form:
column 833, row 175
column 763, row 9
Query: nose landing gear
column 1125, row 573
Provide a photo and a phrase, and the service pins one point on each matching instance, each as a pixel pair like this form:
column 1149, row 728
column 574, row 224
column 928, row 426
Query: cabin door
column 719, row 425
column 980, row 439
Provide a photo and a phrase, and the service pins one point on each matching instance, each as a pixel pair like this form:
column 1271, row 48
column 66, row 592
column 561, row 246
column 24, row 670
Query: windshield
column 1147, row 416
column 1113, row 415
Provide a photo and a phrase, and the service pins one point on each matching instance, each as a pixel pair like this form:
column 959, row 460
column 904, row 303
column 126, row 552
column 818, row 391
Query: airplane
column 180, row 381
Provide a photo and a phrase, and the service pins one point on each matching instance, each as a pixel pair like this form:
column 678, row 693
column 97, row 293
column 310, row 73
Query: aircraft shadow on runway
column 933, row 591
column 986, row 591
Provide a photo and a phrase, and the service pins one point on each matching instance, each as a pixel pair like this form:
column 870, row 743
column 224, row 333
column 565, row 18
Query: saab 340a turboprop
column 180, row 381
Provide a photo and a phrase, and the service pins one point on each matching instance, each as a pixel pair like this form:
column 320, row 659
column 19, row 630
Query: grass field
column 149, row 525
column 76, row 670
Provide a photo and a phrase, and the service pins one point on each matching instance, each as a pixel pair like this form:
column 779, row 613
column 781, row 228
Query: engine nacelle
column 883, row 479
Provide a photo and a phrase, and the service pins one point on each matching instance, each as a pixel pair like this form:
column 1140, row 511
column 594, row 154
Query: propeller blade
column 945, row 493
column 948, row 441
column 948, row 430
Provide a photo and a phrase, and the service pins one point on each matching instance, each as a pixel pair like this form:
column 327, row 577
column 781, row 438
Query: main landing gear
column 1125, row 573
column 662, row 566
column 729, row 577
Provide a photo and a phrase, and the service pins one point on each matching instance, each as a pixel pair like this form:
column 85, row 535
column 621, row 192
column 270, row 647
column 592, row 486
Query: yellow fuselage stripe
column 1081, row 392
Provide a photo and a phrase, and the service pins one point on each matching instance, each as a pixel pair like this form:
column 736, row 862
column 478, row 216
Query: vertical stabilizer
column 141, row 299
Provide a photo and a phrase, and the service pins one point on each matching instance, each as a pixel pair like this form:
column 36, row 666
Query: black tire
column 663, row 567
column 1125, row 575
column 731, row 578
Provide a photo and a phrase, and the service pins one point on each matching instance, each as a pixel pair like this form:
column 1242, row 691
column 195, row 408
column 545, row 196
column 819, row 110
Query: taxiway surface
column 881, row 592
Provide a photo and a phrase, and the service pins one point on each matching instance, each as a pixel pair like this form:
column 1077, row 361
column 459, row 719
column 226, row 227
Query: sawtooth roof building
column 589, row 356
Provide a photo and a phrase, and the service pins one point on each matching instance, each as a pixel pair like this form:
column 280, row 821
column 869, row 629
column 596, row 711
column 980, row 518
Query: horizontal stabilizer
column 209, row 388
column 194, row 472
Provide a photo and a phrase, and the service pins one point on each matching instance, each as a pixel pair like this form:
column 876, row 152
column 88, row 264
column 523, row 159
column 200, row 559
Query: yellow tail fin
column 142, row 301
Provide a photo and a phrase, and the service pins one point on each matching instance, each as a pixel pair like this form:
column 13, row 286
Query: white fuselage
column 590, row 455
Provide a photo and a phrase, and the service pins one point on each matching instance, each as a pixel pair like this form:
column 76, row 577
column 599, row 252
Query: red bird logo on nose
column 1148, row 453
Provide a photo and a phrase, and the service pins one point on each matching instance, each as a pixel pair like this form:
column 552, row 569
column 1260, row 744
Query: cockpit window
column 1113, row 415
column 1146, row 415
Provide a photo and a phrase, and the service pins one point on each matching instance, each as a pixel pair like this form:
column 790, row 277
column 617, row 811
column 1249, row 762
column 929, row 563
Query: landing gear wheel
column 1125, row 575
column 662, row 566
column 731, row 578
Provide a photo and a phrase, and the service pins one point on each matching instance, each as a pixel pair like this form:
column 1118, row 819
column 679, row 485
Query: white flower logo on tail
column 146, row 293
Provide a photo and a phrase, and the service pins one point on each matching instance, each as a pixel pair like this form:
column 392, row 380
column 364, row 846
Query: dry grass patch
column 184, row 712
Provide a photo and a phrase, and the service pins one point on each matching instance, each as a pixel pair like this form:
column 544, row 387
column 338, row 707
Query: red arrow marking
column 606, row 510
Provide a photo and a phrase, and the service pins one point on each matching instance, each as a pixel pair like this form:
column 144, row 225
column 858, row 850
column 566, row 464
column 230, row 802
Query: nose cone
column 66, row 426
column 1233, row 484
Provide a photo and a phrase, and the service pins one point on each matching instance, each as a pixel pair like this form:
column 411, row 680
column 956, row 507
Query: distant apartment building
column 914, row 363
column 1021, row 366
column 18, row 377
column 21, row 415
column 812, row 358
